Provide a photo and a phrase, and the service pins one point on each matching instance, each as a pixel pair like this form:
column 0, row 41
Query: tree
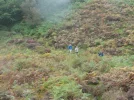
column 31, row 13
column 10, row 12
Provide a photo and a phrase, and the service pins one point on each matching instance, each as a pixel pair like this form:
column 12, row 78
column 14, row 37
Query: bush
column 77, row 1
column 24, row 64
column 64, row 89
column 89, row 66
column 77, row 63
column 129, row 2
column 114, row 95
column 10, row 12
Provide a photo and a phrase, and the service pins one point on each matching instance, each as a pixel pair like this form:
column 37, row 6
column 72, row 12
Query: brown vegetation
column 98, row 22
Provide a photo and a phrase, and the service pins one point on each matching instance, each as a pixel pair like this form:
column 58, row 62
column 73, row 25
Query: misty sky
column 50, row 8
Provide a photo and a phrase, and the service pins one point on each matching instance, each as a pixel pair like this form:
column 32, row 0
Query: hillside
column 102, row 24
column 42, row 68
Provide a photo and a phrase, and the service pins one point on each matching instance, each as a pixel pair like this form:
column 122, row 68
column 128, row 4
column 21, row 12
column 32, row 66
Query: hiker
column 70, row 47
column 76, row 49
column 101, row 54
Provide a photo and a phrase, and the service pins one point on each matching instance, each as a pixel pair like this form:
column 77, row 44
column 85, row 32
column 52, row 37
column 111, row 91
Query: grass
column 57, row 71
column 128, row 2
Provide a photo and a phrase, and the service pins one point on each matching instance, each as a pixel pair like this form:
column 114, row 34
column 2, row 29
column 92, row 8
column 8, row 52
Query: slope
column 28, row 72
column 105, row 24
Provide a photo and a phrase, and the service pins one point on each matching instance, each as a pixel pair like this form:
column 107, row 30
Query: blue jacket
column 70, row 47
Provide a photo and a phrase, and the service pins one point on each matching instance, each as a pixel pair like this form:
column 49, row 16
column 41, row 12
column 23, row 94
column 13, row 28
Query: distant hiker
column 101, row 54
column 70, row 48
column 76, row 49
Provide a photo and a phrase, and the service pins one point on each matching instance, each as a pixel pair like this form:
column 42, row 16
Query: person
column 76, row 49
column 101, row 54
column 70, row 47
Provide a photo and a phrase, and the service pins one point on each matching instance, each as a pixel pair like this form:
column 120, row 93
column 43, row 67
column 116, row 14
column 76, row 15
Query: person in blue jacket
column 70, row 48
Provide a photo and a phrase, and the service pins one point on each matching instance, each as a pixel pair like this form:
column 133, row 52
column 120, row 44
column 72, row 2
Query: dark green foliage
column 10, row 12
column 78, row 0
column 14, row 11
column 25, row 16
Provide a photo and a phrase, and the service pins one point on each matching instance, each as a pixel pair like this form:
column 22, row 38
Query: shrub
column 104, row 66
column 22, row 28
column 89, row 66
column 78, row 1
column 84, row 46
column 18, row 90
column 77, row 63
column 98, row 42
column 10, row 12
column 24, row 64
column 64, row 88
column 114, row 95
column 129, row 2
column 22, row 91
column 40, row 49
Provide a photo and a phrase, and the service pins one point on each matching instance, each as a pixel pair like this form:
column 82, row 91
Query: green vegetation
column 24, row 16
column 64, row 88
column 55, row 73
column 36, row 65
column 10, row 12
column 128, row 2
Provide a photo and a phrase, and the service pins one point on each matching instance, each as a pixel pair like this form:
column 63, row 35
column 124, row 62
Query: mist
column 53, row 10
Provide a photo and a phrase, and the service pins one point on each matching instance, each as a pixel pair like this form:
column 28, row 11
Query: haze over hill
column 50, row 9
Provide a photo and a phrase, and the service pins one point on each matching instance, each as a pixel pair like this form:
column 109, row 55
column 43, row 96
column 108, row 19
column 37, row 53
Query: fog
column 53, row 9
